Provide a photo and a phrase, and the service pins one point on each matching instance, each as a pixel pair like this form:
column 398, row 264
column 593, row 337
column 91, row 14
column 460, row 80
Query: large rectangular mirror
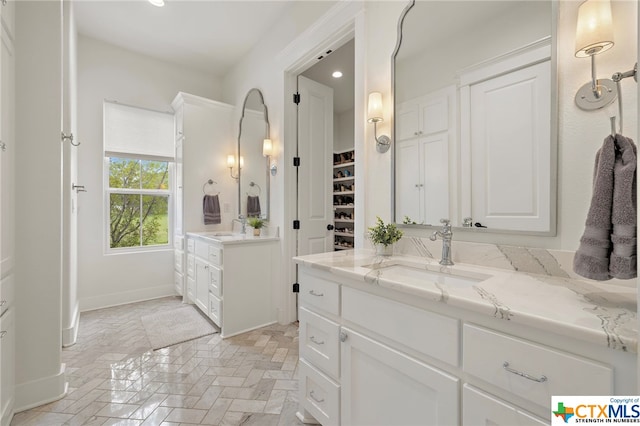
column 475, row 118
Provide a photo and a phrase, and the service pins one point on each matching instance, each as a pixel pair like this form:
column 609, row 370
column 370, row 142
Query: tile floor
column 115, row 379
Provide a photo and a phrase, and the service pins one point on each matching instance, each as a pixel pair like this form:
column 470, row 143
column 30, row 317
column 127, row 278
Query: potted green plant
column 256, row 223
column 384, row 237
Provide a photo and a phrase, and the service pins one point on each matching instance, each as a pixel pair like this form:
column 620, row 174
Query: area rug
column 176, row 326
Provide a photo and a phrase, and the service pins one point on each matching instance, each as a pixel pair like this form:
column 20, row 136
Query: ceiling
column 206, row 35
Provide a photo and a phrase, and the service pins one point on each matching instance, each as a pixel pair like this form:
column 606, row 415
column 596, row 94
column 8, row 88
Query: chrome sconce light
column 231, row 162
column 267, row 151
column 594, row 35
column 374, row 116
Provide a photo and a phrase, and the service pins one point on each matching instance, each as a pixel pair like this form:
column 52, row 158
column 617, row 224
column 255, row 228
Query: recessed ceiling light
column 158, row 3
column 337, row 74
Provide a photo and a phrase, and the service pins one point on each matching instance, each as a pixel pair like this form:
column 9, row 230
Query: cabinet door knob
column 343, row 336
column 2, row 334
column 3, row 302
column 330, row 227
column 3, row 146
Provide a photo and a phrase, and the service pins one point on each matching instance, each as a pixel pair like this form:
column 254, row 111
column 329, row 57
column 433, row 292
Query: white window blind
column 138, row 131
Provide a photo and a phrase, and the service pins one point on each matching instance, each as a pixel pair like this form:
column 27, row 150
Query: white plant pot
column 382, row 250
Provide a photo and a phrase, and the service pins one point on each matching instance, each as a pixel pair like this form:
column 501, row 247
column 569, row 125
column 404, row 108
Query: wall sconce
column 594, row 35
column 267, row 151
column 231, row 162
column 375, row 116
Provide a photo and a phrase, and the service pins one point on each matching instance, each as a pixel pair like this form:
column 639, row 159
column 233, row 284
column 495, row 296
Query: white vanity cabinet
column 231, row 282
column 371, row 355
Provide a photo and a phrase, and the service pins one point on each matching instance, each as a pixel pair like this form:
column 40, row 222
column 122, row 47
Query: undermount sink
column 400, row 272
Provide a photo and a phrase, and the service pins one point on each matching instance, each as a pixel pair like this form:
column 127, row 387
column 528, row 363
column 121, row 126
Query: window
column 138, row 147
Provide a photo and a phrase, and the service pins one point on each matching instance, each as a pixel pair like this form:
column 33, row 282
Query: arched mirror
column 253, row 182
column 476, row 116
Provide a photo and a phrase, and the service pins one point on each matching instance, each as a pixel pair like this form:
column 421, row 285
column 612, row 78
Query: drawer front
column 215, row 281
column 481, row 408
column 178, row 242
column 178, row 282
column 319, row 395
column 191, row 266
column 320, row 342
column 549, row 371
column 320, row 294
column 178, row 259
column 215, row 309
column 191, row 245
column 202, row 249
column 191, row 289
column 214, row 255
column 381, row 316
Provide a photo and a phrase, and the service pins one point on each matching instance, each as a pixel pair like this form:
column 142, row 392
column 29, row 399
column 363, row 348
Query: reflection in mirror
column 475, row 126
column 253, row 187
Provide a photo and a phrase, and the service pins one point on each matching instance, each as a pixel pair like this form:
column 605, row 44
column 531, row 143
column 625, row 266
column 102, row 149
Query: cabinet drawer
column 423, row 328
column 178, row 242
column 481, row 408
column 215, row 255
column 318, row 293
column 178, row 259
column 215, row 281
column 191, row 245
column 191, row 266
column 319, row 342
column 215, row 309
column 549, row 371
column 191, row 288
column 202, row 249
column 319, row 395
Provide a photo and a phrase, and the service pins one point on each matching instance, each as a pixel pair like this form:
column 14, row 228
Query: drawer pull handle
column 525, row 375
column 2, row 334
column 312, row 395
column 343, row 336
column 317, row 342
column 313, row 293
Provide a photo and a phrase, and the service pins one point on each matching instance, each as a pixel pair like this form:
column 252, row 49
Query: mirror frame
column 554, row 109
column 267, row 203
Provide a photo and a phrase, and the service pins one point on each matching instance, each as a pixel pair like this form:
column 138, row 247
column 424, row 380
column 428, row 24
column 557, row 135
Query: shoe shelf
column 344, row 191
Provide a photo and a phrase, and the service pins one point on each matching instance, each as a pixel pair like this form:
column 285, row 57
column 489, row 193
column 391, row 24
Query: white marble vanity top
column 592, row 311
column 227, row 237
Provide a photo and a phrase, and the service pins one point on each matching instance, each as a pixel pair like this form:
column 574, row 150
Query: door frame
column 343, row 22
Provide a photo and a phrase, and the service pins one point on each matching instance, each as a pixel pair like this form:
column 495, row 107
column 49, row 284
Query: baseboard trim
column 125, row 297
column 235, row 333
column 70, row 334
column 42, row 391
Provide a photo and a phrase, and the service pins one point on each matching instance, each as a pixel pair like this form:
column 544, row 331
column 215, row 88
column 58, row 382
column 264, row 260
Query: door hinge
column 296, row 288
column 296, row 98
column 296, row 161
column 296, row 224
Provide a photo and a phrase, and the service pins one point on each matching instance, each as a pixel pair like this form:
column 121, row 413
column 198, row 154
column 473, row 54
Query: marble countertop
column 227, row 237
column 592, row 311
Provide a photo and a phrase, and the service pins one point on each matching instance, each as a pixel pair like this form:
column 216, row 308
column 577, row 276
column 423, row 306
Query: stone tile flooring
column 115, row 379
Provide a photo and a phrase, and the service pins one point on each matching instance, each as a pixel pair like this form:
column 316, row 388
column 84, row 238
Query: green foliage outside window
column 138, row 213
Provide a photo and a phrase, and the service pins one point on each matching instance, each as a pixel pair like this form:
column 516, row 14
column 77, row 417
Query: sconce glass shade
column 594, row 32
column 231, row 160
column 374, row 114
column 267, row 148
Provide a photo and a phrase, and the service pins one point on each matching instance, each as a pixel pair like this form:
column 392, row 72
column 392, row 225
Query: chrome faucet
column 242, row 221
column 446, row 235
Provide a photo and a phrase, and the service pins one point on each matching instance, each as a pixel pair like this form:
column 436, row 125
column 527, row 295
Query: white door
column 510, row 150
column 315, row 149
column 381, row 386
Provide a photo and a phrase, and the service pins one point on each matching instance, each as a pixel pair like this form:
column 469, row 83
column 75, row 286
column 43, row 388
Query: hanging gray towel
column 253, row 206
column 592, row 257
column 623, row 262
column 211, row 209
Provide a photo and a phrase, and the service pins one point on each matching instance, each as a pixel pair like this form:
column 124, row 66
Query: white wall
column 109, row 72
column 39, row 375
column 343, row 134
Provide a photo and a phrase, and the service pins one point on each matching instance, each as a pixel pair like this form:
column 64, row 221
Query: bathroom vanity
column 402, row 340
column 230, row 279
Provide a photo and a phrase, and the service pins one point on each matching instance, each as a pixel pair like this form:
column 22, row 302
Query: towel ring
column 253, row 184
column 209, row 182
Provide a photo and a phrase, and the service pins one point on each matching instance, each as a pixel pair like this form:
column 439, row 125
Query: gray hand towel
column 253, row 206
column 211, row 209
column 623, row 263
column 592, row 257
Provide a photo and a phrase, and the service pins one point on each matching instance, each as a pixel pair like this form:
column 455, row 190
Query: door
column 381, row 386
column 315, row 149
